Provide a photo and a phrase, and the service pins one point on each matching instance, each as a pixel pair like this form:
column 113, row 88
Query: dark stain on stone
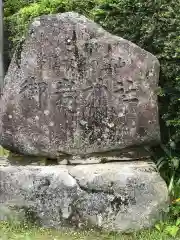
column 92, row 35
column 119, row 201
column 18, row 52
column 86, row 45
column 30, row 215
column 79, row 59
column 109, row 48
column 147, row 74
column 74, row 37
column 142, row 131
column 45, row 182
column 51, row 161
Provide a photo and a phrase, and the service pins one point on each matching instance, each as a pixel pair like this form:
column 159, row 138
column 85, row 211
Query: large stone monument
column 78, row 94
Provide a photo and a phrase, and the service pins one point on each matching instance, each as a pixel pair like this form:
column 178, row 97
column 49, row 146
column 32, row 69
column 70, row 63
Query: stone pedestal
column 114, row 196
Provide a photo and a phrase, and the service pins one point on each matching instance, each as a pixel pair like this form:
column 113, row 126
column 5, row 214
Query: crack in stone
column 116, row 202
column 90, row 190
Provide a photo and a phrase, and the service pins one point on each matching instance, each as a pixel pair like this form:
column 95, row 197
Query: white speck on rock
column 51, row 124
column 8, row 132
column 36, row 117
column 36, row 23
column 99, row 220
column 111, row 125
column 106, row 130
column 121, row 114
column 10, row 116
column 83, row 122
column 105, row 136
column 53, row 85
column 133, row 123
column 46, row 112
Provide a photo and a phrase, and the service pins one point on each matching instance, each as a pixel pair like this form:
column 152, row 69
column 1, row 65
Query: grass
column 3, row 152
column 19, row 232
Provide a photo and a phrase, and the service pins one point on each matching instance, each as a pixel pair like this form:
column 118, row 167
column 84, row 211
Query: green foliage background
column 152, row 24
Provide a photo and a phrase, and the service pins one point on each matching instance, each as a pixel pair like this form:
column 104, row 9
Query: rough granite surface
column 113, row 196
column 72, row 88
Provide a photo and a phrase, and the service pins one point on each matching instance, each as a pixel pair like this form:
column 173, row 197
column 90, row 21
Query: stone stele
column 72, row 88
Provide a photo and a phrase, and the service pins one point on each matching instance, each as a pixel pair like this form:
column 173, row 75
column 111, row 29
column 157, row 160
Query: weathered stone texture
column 121, row 197
column 73, row 88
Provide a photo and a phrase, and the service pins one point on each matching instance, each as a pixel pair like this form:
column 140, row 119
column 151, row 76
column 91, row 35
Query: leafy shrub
column 17, row 17
column 169, row 228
